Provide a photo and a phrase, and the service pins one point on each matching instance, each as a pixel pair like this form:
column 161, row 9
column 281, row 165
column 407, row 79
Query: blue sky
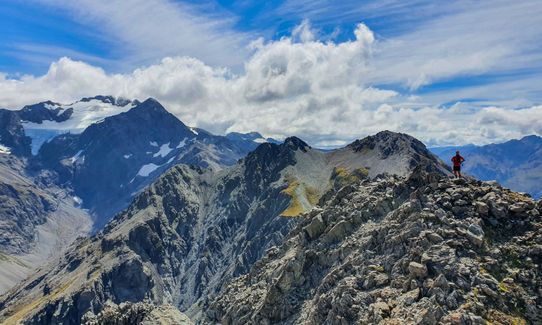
column 38, row 32
column 439, row 54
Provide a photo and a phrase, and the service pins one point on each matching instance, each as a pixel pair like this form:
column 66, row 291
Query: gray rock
column 518, row 207
column 481, row 208
column 475, row 234
column 315, row 227
column 417, row 270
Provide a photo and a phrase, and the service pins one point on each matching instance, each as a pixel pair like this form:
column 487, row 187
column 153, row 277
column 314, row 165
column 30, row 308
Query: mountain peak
column 295, row 143
column 387, row 141
column 149, row 106
column 45, row 111
column 531, row 138
column 275, row 156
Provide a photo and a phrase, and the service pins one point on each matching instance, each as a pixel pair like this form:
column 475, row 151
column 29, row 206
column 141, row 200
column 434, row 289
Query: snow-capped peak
column 83, row 113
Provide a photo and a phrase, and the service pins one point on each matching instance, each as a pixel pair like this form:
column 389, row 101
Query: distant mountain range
column 516, row 164
column 107, row 149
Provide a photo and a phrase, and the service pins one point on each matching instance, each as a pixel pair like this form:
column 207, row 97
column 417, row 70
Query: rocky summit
column 420, row 250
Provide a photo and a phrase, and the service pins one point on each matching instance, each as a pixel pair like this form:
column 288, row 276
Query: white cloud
column 303, row 32
column 142, row 32
column 423, row 42
column 500, row 37
column 319, row 91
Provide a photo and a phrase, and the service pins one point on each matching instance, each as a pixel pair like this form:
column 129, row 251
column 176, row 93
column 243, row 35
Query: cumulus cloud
column 296, row 85
column 421, row 43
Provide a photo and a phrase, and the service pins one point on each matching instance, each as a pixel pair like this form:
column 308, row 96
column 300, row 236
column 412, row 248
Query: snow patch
column 39, row 137
column 182, row 143
column 77, row 156
column 84, row 114
column 127, row 156
column 77, row 200
column 260, row 140
column 5, row 150
column 164, row 150
column 52, row 107
column 194, row 131
column 153, row 143
column 147, row 169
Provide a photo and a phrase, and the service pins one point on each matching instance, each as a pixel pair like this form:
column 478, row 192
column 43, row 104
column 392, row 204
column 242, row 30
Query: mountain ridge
column 193, row 229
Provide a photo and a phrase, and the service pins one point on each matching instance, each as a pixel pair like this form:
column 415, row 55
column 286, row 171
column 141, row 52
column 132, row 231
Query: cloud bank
column 321, row 91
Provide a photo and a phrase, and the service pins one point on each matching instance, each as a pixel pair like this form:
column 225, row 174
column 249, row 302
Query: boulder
column 481, row 208
column 316, row 227
column 417, row 270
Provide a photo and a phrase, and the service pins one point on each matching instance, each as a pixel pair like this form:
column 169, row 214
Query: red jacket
column 457, row 160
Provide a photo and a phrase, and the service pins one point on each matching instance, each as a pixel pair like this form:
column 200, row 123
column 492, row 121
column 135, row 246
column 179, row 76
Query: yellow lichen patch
column 312, row 195
column 498, row 317
column 503, row 287
column 518, row 196
column 295, row 207
column 342, row 177
column 298, row 192
column 24, row 311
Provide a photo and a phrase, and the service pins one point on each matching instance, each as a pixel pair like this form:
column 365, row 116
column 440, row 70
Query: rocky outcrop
column 12, row 133
column 421, row 250
column 140, row 313
column 388, row 152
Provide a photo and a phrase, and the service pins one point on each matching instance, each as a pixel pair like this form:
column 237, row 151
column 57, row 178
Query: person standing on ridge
column 457, row 160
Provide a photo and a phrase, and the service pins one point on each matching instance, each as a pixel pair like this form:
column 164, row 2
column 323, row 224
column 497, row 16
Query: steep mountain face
column 193, row 230
column 45, row 111
column 420, row 250
column 12, row 137
column 176, row 243
column 112, row 160
column 36, row 222
column 516, row 164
